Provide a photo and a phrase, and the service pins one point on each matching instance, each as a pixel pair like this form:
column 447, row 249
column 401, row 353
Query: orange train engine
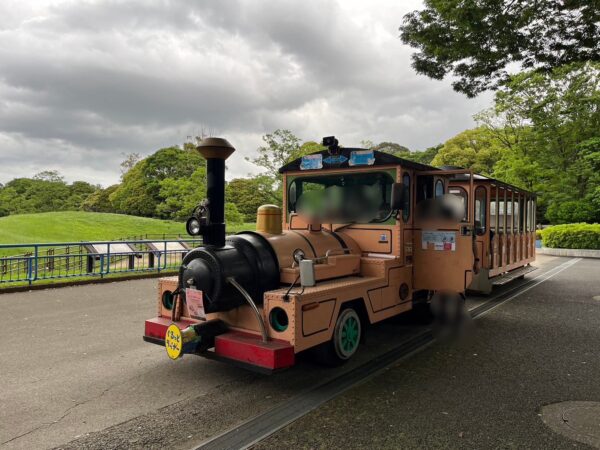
column 362, row 236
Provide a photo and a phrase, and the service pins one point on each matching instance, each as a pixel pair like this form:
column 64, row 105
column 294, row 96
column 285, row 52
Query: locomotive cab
column 361, row 235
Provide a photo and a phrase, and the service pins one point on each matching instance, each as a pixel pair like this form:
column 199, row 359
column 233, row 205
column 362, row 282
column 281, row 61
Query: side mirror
column 397, row 199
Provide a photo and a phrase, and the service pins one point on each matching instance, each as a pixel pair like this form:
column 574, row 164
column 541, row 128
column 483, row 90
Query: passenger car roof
column 483, row 178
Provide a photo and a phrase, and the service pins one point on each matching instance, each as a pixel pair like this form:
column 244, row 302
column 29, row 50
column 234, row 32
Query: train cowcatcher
column 362, row 236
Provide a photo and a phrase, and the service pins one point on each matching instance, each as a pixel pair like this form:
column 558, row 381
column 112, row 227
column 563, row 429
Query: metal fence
column 30, row 263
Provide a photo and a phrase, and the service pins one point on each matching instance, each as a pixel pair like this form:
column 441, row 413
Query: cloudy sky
column 84, row 82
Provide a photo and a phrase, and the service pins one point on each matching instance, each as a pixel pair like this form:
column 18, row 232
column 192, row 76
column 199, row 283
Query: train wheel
column 344, row 343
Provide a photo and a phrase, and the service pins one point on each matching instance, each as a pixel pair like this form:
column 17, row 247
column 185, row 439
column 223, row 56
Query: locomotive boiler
column 348, row 249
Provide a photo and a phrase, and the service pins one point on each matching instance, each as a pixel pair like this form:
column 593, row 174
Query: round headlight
column 298, row 255
column 193, row 226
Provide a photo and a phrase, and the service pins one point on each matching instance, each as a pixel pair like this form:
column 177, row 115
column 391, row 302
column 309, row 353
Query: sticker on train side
column 441, row 240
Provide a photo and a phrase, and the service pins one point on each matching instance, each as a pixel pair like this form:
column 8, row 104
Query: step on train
column 361, row 236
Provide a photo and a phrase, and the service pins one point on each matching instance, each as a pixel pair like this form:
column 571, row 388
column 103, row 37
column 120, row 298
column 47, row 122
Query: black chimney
column 216, row 151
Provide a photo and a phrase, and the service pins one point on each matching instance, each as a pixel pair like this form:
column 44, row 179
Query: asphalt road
column 486, row 391
column 76, row 374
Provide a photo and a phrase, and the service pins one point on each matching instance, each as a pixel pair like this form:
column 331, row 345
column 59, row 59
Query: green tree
column 309, row 147
column 477, row 149
column 573, row 211
column 475, row 41
column 590, row 151
column 79, row 191
column 26, row 195
column 129, row 162
column 49, row 175
column 250, row 193
column 46, row 191
column 179, row 196
column 134, row 196
column 425, row 156
column 392, row 148
column 550, row 124
column 280, row 147
column 232, row 215
column 140, row 192
column 98, row 201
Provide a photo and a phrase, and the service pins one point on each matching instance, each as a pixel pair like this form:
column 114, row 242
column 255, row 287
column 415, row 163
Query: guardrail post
column 166, row 257
column 91, row 262
column 50, row 262
column 30, row 269
column 107, row 258
column 36, row 262
column 151, row 260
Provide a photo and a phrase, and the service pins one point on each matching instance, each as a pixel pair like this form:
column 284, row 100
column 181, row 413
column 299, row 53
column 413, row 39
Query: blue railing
column 30, row 263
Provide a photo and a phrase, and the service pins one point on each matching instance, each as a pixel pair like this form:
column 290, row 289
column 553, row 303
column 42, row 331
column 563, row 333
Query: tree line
column 169, row 183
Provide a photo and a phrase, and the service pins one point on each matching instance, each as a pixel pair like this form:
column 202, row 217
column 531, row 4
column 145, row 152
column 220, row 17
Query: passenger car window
column 462, row 194
column 439, row 188
column 509, row 212
column 480, row 210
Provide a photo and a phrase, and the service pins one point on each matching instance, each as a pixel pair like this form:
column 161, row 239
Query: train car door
column 442, row 248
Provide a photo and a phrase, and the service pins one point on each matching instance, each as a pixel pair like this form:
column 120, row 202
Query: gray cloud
column 82, row 83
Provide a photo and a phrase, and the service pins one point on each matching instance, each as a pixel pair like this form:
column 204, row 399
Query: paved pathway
column 485, row 392
column 74, row 369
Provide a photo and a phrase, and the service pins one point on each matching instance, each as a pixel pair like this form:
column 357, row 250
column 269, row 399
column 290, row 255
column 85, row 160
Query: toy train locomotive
column 362, row 236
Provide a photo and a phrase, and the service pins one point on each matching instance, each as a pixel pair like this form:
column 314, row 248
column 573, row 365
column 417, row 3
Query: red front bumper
column 240, row 348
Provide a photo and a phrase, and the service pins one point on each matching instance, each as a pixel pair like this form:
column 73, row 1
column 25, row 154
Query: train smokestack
column 215, row 151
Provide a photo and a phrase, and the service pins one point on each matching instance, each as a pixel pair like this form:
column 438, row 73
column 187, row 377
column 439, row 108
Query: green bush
column 538, row 234
column 573, row 235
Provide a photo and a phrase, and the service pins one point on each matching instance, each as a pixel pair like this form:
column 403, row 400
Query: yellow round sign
column 174, row 342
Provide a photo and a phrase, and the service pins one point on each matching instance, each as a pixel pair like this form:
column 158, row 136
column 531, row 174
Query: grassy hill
column 75, row 226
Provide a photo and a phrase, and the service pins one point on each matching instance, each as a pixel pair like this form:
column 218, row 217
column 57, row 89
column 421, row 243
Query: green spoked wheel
column 346, row 336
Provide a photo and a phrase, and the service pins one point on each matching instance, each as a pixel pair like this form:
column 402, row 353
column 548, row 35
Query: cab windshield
column 342, row 198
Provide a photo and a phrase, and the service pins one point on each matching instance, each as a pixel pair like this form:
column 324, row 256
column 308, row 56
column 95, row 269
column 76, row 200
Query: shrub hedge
column 572, row 235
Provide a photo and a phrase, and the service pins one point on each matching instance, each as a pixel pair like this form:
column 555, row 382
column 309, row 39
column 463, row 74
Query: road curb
column 571, row 252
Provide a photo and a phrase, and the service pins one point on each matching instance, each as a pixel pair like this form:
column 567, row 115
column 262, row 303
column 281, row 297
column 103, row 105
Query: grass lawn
column 75, row 226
